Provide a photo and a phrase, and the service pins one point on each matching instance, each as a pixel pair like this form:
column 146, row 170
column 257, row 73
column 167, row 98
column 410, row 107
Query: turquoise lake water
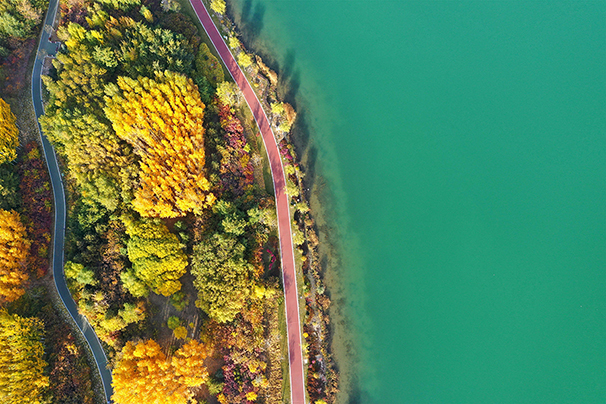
column 464, row 144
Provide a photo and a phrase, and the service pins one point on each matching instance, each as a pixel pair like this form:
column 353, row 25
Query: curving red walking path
column 291, row 295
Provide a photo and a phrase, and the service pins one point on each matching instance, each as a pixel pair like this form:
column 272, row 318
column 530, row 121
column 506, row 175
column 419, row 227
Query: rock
column 290, row 113
column 267, row 72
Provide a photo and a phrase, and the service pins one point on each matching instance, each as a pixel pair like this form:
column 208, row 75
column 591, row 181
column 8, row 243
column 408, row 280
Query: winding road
column 291, row 295
column 47, row 48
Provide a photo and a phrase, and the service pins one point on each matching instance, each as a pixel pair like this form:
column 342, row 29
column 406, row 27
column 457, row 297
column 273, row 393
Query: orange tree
column 14, row 246
column 162, row 120
column 144, row 374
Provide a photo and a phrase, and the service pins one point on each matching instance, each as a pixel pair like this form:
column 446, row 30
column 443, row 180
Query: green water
column 465, row 146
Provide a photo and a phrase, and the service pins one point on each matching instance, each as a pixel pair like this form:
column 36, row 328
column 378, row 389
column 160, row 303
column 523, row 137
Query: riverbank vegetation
column 322, row 377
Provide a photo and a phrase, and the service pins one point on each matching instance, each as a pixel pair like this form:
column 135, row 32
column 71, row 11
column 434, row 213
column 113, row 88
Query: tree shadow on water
column 301, row 136
column 301, row 140
column 310, row 167
column 252, row 19
column 301, row 130
column 246, row 9
column 293, row 88
column 252, row 15
column 290, row 78
column 289, row 65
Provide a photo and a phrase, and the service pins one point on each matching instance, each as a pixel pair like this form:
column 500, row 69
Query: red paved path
column 295, row 354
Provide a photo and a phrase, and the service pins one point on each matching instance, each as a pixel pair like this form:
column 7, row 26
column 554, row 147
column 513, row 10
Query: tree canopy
column 149, row 133
column 144, row 374
column 218, row 6
column 162, row 120
column 101, row 162
column 22, row 378
column 157, row 256
column 19, row 17
column 14, row 247
column 9, row 134
column 222, row 276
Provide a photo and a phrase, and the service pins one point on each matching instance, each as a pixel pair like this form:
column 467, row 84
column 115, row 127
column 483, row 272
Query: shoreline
column 327, row 250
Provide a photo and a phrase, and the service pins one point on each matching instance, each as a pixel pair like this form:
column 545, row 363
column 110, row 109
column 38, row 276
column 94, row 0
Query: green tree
column 112, row 324
column 208, row 65
column 233, row 42
column 131, row 313
column 278, row 108
column 149, row 17
column 11, row 26
column 180, row 332
column 171, row 5
column 157, row 256
column 18, row 18
column 222, row 276
column 133, row 284
column 9, row 183
column 124, row 5
column 173, row 322
column 79, row 274
column 244, row 59
column 179, row 300
column 298, row 238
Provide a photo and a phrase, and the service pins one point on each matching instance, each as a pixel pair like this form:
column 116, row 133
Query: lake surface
column 464, row 145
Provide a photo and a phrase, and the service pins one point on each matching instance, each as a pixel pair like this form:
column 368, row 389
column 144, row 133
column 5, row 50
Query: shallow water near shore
column 457, row 153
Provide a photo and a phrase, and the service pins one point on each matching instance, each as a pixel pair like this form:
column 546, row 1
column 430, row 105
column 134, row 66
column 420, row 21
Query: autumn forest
column 171, row 246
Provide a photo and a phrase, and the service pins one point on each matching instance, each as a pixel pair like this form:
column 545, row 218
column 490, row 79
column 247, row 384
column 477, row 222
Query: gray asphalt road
column 46, row 48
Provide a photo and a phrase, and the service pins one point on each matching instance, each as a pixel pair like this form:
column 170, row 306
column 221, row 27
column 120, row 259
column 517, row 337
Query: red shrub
column 35, row 188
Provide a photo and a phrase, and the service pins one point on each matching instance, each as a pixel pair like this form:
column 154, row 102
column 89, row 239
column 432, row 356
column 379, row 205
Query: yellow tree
column 9, row 134
column 22, row 378
column 218, row 6
column 14, row 246
column 244, row 59
column 162, row 119
column 229, row 93
column 144, row 374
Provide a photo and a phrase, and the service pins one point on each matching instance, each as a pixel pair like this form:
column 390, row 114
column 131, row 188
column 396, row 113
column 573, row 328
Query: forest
column 167, row 226
column 40, row 359
column 171, row 247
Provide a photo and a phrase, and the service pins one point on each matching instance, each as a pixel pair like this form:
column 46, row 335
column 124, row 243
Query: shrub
column 179, row 300
column 173, row 322
column 180, row 332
